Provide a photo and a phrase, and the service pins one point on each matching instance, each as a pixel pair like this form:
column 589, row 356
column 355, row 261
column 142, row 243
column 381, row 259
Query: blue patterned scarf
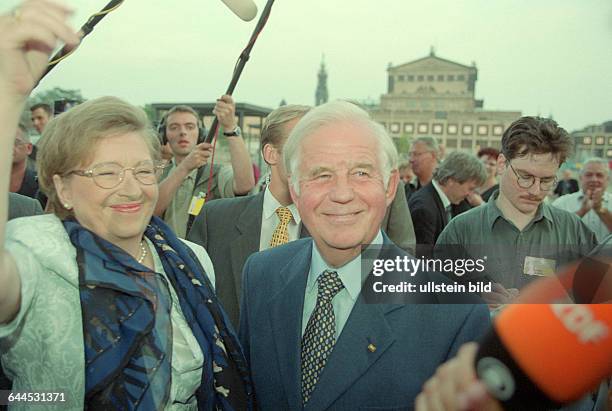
column 128, row 332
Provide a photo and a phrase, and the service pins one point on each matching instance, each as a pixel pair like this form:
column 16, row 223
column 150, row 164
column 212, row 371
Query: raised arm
column 244, row 181
column 28, row 35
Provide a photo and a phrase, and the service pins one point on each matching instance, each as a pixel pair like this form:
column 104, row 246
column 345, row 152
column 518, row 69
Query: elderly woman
column 99, row 301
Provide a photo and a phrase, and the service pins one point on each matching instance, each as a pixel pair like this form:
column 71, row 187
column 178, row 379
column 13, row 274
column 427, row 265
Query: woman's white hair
column 330, row 113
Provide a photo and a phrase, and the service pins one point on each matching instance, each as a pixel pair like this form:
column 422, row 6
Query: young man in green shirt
column 522, row 237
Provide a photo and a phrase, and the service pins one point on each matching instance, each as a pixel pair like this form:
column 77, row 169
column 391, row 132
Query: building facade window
column 437, row 128
column 600, row 140
column 420, row 78
column 409, row 128
column 466, row 143
column 400, row 78
column 394, row 128
column 482, row 143
column 410, row 77
column 483, row 130
column 451, row 143
column 460, row 77
column 587, row 140
column 609, row 153
column 452, row 129
column 498, row 130
column 440, row 77
column 423, row 128
column 467, row 130
column 450, row 77
column 430, row 78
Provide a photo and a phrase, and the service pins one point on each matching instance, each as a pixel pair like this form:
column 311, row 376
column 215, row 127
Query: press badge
column 197, row 202
column 543, row 267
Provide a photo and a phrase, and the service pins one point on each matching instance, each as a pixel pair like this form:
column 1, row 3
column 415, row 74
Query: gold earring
column 67, row 206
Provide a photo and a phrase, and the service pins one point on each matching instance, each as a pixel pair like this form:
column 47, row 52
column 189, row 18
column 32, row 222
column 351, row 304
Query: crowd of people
column 143, row 276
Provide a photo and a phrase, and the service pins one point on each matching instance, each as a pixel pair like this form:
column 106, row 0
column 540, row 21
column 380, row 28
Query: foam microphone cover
column 245, row 9
column 545, row 355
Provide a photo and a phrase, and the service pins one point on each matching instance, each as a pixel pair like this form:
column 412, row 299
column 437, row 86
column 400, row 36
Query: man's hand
column 474, row 199
column 597, row 199
column 455, row 387
column 166, row 152
column 197, row 158
column 587, row 204
column 225, row 110
column 499, row 295
column 27, row 38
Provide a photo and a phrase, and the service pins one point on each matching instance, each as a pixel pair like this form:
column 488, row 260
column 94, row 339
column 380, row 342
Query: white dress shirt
column 573, row 202
column 269, row 220
column 445, row 201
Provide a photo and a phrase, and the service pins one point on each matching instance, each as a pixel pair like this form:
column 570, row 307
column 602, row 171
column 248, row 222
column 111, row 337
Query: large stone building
column 593, row 141
column 436, row 97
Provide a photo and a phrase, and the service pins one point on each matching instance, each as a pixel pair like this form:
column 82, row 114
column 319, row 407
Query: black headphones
column 163, row 138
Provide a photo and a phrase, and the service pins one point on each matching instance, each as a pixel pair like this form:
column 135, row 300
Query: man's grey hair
column 597, row 160
column 461, row 167
column 431, row 143
column 337, row 112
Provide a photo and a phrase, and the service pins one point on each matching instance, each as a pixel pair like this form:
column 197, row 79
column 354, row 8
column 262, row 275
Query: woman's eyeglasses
column 110, row 175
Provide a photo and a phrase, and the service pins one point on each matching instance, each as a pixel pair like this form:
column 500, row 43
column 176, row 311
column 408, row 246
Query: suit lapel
column 439, row 205
column 364, row 339
column 352, row 355
column 247, row 242
column 286, row 309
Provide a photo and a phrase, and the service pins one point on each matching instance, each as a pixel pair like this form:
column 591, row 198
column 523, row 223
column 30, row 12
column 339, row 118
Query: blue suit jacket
column 411, row 340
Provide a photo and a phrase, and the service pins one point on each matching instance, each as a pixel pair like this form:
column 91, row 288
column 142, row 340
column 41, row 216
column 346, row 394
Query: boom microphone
column 245, row 9
column 550, row 354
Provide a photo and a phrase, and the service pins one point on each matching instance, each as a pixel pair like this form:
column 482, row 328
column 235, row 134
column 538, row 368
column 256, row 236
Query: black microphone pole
column 85, row 30
column 242, row 60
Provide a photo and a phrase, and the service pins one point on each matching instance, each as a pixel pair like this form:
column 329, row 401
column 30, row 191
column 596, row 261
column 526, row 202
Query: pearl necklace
column 143, row 252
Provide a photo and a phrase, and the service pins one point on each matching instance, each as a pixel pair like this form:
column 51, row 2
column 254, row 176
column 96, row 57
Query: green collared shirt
column 177, row 212
column 552, row 238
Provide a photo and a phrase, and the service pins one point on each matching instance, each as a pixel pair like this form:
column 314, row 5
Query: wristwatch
column 234, row 133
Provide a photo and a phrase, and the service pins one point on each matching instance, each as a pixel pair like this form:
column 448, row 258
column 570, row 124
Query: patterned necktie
column 320, row 335
column 281, row 234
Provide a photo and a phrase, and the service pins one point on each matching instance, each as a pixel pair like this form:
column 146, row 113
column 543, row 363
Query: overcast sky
column 538, row 56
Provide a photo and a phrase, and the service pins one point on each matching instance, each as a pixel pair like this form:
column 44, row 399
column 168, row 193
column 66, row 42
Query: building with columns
column 436, row 97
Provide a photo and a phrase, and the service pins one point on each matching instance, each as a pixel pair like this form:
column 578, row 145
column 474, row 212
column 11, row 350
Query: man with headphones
column 185, row 181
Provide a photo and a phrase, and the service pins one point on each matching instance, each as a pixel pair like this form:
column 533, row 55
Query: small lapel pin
column 371, row 347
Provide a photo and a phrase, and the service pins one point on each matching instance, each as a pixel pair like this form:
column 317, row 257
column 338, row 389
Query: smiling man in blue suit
column 312, row 341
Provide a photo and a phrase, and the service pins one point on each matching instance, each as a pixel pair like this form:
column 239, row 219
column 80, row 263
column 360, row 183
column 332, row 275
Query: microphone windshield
column 245, row 9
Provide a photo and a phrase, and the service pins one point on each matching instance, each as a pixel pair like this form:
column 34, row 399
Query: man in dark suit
column 431, row 207
column 23, row 178
column 232, row 229
column 424, row 156
column 567, row 185
column 312, row 341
